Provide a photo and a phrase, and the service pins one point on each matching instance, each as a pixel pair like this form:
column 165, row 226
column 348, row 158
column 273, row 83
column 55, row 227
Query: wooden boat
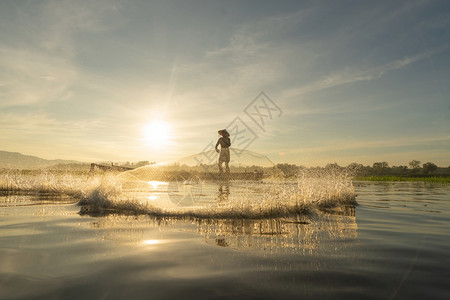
column 109, row 168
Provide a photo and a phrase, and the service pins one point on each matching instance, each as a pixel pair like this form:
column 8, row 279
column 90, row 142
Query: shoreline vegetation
column 438, row 179
column 379, row 171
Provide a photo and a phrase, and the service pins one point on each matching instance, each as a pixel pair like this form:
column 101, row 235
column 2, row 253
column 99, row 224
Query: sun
column 157, row 133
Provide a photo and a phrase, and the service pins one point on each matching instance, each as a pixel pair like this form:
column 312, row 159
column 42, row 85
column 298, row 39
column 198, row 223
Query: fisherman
column 224, row 157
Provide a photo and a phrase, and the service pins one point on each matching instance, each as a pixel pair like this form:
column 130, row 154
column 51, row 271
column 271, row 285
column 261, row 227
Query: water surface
column 394, row 243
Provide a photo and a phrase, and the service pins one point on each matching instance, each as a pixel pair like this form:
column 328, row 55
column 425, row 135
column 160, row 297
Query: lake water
column 237, row 240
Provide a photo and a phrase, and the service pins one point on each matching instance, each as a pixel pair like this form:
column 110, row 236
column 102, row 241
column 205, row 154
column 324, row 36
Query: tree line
column 415, row 168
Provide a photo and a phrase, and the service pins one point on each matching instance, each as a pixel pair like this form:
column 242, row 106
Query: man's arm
column 227, row 142
column 217, row 144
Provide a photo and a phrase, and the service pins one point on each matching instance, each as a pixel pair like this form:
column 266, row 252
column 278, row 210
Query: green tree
column 414, row 164
column 334, row 166
column 355, row 168
column 380, row 167
column 289, row 170
column 429, row 167
column 142, row 163
column 399, row 170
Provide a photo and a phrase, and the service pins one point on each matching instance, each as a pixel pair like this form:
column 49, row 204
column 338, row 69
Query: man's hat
column 221, row 132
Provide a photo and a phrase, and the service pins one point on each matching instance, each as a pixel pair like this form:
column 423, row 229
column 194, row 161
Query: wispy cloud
column 75, row 17
column 355, row 74
column 254, row 38
column 40, row 124
column 28, row 78
column 342, row 144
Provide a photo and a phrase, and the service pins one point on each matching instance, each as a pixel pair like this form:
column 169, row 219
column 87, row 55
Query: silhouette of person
column 224, row 156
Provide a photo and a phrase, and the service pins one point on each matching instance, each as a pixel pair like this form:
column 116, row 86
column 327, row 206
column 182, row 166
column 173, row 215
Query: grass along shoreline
column 402, row 178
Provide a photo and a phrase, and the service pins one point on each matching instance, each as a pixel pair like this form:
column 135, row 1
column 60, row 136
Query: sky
column 304, row 82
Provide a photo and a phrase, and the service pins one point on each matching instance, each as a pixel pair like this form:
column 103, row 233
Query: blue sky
column 355, row 81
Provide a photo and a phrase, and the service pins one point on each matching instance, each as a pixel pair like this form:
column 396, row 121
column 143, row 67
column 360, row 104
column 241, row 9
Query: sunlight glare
column 156, row 184
column 157, row 133
column 151, row 242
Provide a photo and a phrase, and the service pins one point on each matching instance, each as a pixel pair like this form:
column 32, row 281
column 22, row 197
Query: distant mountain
column 15, row 160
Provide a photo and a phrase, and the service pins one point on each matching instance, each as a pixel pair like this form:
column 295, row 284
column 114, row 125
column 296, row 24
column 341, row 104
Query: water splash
column 183, row 190
column 42, row 182
column 269, row 198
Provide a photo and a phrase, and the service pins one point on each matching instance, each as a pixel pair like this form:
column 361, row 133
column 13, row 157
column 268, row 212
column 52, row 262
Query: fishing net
column 244, row 165
column 193, row 187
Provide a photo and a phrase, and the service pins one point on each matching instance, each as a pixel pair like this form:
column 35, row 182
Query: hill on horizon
column 16, row 160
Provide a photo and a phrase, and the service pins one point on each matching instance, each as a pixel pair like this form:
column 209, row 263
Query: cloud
column 29, row 78
column 341, row 144
column 351, row 75
column 38, row 124
column 83, row 14
column 40, row 48
column 84, row 139
column 395, row 151
column 253, row 58
column 253, row 39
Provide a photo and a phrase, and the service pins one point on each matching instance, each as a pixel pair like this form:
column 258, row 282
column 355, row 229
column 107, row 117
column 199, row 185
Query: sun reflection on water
column 156, row 184
column 151, row 242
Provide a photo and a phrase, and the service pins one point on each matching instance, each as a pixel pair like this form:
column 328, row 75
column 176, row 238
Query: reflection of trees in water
column 301, row 234
column 329, row 217
column 128, row 230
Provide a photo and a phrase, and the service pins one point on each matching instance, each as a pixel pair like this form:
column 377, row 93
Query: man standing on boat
column 225, row 143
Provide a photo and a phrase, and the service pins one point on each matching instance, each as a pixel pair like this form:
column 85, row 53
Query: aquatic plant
column 403, row 178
